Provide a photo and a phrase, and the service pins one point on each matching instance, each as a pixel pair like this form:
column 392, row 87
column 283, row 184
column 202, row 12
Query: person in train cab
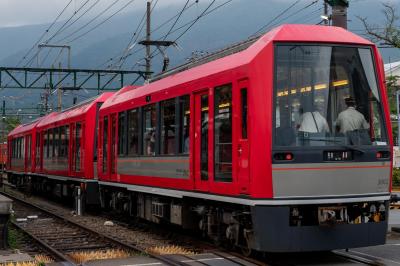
column 353, row 124
column 350, row 119
column 312, row 121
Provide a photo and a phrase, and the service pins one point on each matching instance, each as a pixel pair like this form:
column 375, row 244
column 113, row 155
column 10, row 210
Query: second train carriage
column 226, row 147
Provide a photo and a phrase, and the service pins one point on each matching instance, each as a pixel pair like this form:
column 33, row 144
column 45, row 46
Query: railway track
column 60, row 236
column 210, row 256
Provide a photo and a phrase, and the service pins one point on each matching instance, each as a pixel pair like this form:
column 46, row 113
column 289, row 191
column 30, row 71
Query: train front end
column 331, row 149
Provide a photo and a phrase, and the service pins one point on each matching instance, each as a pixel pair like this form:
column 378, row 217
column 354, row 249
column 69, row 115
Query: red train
column 255, row 147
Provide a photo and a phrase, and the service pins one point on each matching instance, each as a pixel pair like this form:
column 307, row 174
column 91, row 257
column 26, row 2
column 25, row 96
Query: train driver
column 350, row 119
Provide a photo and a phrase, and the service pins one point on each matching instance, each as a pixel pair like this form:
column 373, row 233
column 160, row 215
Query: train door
column 201, row 140
column 106, row 149
column 77, row 149
column 242, row 143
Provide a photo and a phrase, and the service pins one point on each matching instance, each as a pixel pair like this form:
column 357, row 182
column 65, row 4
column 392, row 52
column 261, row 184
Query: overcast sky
column 26, row 12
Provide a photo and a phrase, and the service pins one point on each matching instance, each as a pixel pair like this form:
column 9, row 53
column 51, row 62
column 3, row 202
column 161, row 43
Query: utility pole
column 148, row 38
column 148, row 43
column 59, row 91
column 339, row 12
column 326, row 15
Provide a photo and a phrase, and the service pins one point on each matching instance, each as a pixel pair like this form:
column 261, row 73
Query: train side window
column 204, row 137
column 45, row 144
column 78, row 135
column 66, row 141
column 168, row 127
column 105, row 143
column 51, row 138
column 149, row 129
column 37, row 155
column 243, row 95
column 223, row 133
column 184, row 142
column 133, row 132
column 121, row 133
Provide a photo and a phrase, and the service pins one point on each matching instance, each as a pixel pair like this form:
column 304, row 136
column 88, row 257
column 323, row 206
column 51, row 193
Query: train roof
column 23, row 128
column 74, row 111
column 245, row 53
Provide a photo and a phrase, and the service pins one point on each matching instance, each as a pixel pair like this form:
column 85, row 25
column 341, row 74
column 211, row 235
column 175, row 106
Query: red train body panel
column 252, row 143
column 251, row 68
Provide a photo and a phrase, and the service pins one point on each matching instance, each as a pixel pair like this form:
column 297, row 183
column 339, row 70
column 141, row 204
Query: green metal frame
column 90, row 76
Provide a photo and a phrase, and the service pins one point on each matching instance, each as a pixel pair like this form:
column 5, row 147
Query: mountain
column 231, row 23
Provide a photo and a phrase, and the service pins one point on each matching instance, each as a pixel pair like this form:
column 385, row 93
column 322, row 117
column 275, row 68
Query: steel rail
column 166, row 260
column 357, row 258
column 50, row 249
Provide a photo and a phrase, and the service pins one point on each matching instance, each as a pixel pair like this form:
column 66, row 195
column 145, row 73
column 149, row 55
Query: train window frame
column 184, row 146
column 244, row 112
column 274, row 95
column 105, row 145
column 122, row 134
column 172, row 103
column 137, row 112
column 153, row 131
column 215, row 119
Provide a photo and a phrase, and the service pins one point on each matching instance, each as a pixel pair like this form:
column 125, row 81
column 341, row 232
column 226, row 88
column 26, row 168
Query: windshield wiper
column 340, row 144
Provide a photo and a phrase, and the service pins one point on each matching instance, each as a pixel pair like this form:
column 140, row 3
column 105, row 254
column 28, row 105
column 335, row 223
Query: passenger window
column 184, row 102
column 56, row 142
column 168, row 127
column 105, row 143
column 204, row 138
column 149, row 126
column 51, row 144
column 223, row 133
column 121, row 134
column 45, row 144
column 78, row 136
column 133, row 132
column 243, row 95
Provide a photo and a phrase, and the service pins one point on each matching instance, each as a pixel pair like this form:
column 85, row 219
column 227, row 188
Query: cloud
column 28, row 12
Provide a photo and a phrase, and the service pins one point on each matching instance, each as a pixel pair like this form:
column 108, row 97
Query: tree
column 9, row 123
column 389, row 33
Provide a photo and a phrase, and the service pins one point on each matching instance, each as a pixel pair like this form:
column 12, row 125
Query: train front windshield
column 327, row 96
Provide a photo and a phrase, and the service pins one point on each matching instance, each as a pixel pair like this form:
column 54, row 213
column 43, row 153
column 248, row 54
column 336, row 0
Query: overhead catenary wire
column 101, row 23
column 276, row 17
column 183, row 26
column 45, row 33
column 177, row 19
column 163, row 24
column 134, row 38
column 89, row 22
column 59, row 31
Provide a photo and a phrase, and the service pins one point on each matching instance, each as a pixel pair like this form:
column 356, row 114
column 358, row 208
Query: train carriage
column 280, row 144
column 226, row 146
column 22, row 156
column 68, row 140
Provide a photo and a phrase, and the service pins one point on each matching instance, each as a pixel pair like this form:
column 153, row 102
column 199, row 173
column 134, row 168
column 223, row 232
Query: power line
column 276, row 17
column 80, row 16
column 59, row 31
column 180, row 27
column 137, row 36
column 134, row 38
column 45, row 33
column 101, row 23
column 177, row 19
column 194, row 22
column 89, row 22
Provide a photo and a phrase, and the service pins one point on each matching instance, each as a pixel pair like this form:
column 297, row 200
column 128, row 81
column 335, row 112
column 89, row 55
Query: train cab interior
column 328, row 96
